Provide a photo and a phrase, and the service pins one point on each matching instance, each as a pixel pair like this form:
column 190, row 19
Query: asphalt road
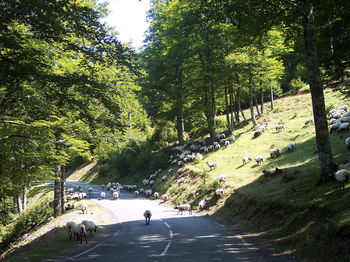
column 169, row 237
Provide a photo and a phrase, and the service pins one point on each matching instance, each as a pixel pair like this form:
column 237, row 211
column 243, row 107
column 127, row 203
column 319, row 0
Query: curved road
column 169, row 237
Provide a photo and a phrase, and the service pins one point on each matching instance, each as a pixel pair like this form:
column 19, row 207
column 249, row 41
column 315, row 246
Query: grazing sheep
column 165, row 197
column 116, row 194
column 343, row 127
column 80, row 232
column 232, row 139
column 259, row 160
column 71, row 228
column 164, row 178
column 103, row 195
column 211, row 165
column 184, row 207
column 246, row 159
column 151, row 183
column 344, row 107
column 181, row 180
column 221, row 178
column 71, row 190
column 227, row 143
column 180, row 171
column 217, row 146
column 258, row 133
column 145, row 182
column 309, row 121
column 202, row 204
column 170, row 171
column 180, row 163
column 332, row 121
column 147, row 214
column 279, row 127
column 342, row 176
column 84, row 208
column 290, row 147
column 89, row 226
column 335, row 127
column 136, row 193
column 275, row 152
column 347, row 142
column 345, row 118
column 148, row 192
column 156, row 195
column 199, row 156
column 219, row 192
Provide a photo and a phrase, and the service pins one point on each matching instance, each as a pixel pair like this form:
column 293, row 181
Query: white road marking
column 166, row 249
column 171, row 235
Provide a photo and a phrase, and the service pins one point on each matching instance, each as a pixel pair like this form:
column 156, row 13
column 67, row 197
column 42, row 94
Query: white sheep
column 164, row 178
column 184, row 207
column 89, row 226
column 246, row 159
column 70, row 190
column 221, row 178
column 71, row 225
column 217, row 146
column 343, row 127
column 136, row 193
column 258, row 133
column 275, row 152
column 84, row 208
column 116, row 194
column 202, row 204
column 347, row 142
column 181, row 180
column 280, row 127
column 145, row 182
column 80, row 232
column 147, row 214
column 103, row 195
column 259, row 160
column 91, row 190
column 211, row 165
column 180, row 170
column 309, row 121
column 170, row 171
column 342, row 176
column 345, row 118
column 219, row 192
column 151, row 183
column 335, row 127
column 148, row 192
column 156, row 194
column 290, row 147
column 199, row 156
column 165, row 197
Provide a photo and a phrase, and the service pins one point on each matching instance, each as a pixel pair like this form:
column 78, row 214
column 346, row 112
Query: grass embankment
column 289, row 210
column 50, row 238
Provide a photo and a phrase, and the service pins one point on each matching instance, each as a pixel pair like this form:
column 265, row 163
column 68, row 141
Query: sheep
column 103, row 186
column 116, row 194
column 343, row 127
column 342, row 176
column 259, row 160
column 69, row 197
column 170, row 171
column 77, row 188
column 103, row 195
column 335, row 127
column 232, row 139
column 141, row 190
column 71, row 228
column 84, row 208
column 257, row 133
column 275, row 152
column 309, row 121
column 221, row 178
column 156, row 194
column 184, row 207
column 332, row 121
column 74, row 205
column 164, row 178
column 345, row 118
column 181, row 180
column 199, row 156
column 219, row 192
column 202, row 204
column 165, row 197
column 89, row 226
column 347, row 114
column 246, row 159
column 136, row 193
column 347, row 142
column 91, row 190
column 290, row 147
column 211, row 165
column 180, row 171
column 227, row 143
column 279, row 127
column 344, row 107
column 80, row 232
column 148, row 192
column 145, row 182
column 71, row 190
column 147, row 214
column 151, row 183
column 217, row 146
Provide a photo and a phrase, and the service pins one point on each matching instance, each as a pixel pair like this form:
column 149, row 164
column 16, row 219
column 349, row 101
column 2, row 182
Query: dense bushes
column 27, row 221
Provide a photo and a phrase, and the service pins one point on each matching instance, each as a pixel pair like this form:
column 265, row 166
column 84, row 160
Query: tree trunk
column 272, row 102
column 239, row 103
column 208, row 112
column 57, row 191
column 262, row 100
column 256, row 102
column 179, row 107
column 232, row 109
column 19, row 204
column 63, row 189
column 317, row 96
column 25, row 192
column 227, row 110
column 251, row 106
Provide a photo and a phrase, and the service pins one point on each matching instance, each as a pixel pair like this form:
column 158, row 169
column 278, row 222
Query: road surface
column 169, row 237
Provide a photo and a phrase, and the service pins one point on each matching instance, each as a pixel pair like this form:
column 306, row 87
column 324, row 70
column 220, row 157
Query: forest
column 71, row 92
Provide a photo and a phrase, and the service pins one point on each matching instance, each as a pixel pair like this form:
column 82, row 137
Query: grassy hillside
column 292, row 212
